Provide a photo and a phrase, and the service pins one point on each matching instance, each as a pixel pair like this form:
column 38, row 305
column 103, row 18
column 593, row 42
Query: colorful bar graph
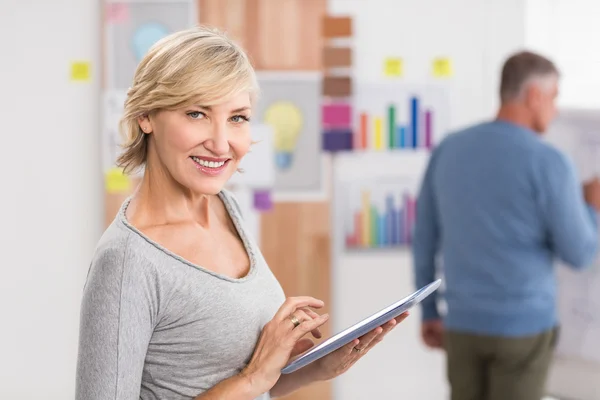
column 390, row 226
column 396, row 127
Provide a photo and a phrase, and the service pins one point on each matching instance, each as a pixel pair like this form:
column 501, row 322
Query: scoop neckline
column 236, row 222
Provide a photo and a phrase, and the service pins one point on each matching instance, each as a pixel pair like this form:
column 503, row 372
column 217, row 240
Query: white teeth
column 208, row 164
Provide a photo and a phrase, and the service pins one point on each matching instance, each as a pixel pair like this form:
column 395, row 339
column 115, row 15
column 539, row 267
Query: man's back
column 501, row 204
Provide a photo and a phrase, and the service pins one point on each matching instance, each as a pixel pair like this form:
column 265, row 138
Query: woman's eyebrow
column 240, row 109
column 237, row 110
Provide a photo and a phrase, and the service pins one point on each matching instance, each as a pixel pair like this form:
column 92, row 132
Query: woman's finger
column 305, row 314
column 301, row 315
column 386, row 329
column 402, row 316
column 315, row 332
column 310, row 312
column 352, row 346
column 292, row 303
column 308, row 326
column 365, row 340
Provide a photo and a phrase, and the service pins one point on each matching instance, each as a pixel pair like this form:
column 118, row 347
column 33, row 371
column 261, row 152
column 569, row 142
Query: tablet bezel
column 361, row 328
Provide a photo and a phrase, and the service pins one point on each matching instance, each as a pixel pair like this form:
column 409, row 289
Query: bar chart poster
column 378, row 213
column 399, row 116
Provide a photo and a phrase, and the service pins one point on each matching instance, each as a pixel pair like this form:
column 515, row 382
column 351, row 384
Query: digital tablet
column 359, row 329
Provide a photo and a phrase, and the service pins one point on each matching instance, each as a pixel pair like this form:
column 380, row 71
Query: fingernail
column 325, row 315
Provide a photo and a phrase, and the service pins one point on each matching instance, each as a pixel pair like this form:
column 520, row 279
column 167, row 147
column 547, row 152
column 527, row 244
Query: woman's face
column 200, row 147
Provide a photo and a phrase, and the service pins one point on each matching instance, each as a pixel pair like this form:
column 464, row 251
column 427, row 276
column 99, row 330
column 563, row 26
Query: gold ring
column 294, row 320
column 357, row 349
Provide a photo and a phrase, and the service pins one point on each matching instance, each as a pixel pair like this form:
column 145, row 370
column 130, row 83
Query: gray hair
column 522, row 69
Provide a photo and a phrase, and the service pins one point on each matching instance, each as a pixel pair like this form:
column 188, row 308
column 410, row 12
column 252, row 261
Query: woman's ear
column 144, row 123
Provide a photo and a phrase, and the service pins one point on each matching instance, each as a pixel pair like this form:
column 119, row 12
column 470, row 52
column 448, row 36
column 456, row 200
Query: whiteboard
column 575, row 373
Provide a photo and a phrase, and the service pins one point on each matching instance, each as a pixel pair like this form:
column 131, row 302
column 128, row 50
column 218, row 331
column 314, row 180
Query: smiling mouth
column 208, row 164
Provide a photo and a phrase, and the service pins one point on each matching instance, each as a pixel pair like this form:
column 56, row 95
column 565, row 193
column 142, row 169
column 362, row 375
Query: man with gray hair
column 498, row 204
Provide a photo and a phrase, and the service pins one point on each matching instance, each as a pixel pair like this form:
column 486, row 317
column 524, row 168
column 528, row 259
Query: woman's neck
column 161, row 200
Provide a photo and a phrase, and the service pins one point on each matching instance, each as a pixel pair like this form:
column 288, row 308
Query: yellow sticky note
column 116, row 181
column 442, row 67
column 393, row 67
column 81, row 71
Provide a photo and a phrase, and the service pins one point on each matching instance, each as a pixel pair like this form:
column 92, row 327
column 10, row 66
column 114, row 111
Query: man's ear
column 145, row 124
column 531, row 96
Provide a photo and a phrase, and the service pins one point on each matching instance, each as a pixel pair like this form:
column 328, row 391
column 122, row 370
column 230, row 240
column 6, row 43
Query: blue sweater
column 498, row 205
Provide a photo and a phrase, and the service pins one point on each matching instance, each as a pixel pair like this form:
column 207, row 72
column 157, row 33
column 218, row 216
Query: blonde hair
column 194, row 66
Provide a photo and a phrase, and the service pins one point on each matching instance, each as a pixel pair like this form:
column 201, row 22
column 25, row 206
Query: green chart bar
column 392, row 127
column 374, row 228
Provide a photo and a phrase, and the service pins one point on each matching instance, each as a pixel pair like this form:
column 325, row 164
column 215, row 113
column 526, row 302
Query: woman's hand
column 280, row 338
column 339, row 361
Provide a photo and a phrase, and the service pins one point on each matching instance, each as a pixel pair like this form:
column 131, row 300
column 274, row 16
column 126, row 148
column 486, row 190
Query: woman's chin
column 208, row 186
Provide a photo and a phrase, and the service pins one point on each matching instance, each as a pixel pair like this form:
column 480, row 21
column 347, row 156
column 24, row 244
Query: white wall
column 567, row 31
column 477, row 36
column 51, row 191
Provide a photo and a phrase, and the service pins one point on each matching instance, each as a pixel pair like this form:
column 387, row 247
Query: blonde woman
column 179, row 302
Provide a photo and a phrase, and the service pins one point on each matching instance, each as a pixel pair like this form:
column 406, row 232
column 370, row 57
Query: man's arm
column 426, row 239
column 571, row 223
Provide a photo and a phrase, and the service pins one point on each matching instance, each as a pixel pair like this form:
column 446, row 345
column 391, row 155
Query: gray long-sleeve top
column 154, row 326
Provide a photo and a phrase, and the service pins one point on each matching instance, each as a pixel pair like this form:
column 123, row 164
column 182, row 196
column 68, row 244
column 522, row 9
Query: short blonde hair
column 194, row 66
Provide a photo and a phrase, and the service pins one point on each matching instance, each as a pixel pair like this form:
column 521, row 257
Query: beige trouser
column 498, row 368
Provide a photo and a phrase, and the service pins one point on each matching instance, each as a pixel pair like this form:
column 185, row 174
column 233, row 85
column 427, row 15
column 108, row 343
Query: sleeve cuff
column 429, row 311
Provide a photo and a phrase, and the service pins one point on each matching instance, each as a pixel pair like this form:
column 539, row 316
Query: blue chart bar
column 401, row 139
column 383, row 239
column 414, row 120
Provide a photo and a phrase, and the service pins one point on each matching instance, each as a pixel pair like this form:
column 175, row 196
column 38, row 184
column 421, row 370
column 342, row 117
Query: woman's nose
column 218, row 143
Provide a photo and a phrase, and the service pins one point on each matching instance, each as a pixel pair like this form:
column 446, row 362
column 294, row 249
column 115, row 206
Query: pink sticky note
column 117, row 12
column 337, row 115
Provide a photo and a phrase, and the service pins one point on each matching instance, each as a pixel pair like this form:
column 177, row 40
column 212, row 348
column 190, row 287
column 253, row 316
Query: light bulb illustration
column 286, row 120
column 145, row 37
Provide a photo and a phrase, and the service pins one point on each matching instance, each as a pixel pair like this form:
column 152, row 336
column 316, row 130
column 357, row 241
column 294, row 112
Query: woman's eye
column 196, row 114
column 239, row 118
